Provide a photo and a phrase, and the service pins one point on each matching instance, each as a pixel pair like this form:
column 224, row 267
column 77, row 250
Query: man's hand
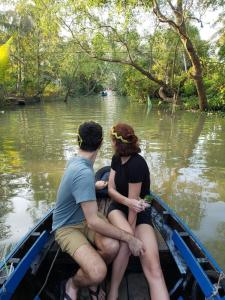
column 136, row 246
column 99, row 225
column 100, row 184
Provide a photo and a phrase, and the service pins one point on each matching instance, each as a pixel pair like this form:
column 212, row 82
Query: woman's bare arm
column 130, row 202
column 113, row 192
column 134, row 193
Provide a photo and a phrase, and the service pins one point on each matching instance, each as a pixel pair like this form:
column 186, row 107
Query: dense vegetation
column 136, row 48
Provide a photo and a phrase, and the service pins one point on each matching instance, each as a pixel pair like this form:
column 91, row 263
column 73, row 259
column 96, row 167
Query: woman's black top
column 135, row 170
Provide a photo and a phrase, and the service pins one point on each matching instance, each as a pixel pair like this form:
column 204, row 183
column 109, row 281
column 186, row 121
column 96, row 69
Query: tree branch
column 197, row 19
column 162, row 18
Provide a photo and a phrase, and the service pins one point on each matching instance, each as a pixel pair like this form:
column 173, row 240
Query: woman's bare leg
column 119, row 266
column 151, row 263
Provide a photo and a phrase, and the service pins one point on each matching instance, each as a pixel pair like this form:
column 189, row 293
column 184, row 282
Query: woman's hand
column 100, row 184
column 137, row 205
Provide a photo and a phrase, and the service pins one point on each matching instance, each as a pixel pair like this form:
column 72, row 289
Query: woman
column 129, row 180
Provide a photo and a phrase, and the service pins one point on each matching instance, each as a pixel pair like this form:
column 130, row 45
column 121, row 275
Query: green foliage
column 134, row 84
column 189, row 88
column 56, row 45
column 190, row 102
column 4, row 58
column 215, row 84
column 215, row 87
column 52, row 89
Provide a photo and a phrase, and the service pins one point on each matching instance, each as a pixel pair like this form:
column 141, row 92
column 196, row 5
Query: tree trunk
column 68, row 92
column 38, row 65
column 2, row 93
column 19, row 70
column 192, row 53
column 70, row 84
column 174, row 63
column 163, row 96
column 197, row 72
column 92, row 89
column 180, row 27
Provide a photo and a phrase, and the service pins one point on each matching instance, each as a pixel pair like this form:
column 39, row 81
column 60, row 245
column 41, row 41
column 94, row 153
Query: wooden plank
column 123, row 290
column 134, row 287
column 137, row 287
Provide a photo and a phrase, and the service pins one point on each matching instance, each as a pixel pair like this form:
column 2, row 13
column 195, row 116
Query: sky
column 207, row 31
column 209, row 28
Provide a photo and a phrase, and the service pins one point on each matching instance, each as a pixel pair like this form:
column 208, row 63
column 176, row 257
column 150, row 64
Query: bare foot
column 71, row 290
column 112, row 295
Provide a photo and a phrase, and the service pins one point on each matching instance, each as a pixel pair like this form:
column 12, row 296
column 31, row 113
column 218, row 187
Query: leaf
column 4, row 58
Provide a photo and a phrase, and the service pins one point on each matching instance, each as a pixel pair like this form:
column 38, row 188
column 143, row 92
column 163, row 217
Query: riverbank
column 188, row 103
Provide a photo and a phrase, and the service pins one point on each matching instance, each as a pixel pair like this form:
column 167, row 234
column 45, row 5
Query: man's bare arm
column 99, row 225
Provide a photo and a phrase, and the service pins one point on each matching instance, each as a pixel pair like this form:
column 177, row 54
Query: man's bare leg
column 92, row 270
column 108, row 249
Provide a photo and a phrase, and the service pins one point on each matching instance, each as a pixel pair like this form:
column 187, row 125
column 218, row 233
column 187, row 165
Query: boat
column 13, row 99
column 104, row 93
column 36, row 265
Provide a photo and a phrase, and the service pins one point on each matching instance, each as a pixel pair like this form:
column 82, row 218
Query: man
column 76, row 221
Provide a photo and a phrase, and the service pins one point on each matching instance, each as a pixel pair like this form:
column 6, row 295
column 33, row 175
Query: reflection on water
column 185, row 153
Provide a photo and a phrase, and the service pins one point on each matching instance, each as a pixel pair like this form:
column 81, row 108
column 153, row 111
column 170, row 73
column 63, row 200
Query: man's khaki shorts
column 72, row 237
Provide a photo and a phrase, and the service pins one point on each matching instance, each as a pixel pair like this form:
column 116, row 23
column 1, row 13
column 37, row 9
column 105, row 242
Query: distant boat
column 36, row 266
column 24, row 100
column 104, row 93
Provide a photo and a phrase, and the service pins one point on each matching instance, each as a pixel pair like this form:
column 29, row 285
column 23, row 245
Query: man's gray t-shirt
column 77, row 185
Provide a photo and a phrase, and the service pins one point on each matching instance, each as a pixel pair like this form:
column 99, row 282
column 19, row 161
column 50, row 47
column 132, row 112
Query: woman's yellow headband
column 118, row 137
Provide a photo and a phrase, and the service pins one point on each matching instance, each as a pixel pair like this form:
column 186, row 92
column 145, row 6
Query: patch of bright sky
column 207, row 30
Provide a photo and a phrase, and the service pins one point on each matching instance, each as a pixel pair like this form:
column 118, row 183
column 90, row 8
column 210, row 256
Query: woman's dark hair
column 126, row 142
column 90, row 136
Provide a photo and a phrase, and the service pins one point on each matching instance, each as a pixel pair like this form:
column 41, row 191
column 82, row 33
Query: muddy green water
column 185, row 152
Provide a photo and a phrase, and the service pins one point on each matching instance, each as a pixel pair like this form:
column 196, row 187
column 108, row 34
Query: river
column 185, row 152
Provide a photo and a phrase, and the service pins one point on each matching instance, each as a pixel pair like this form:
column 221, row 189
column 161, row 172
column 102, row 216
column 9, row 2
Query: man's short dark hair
column 90, row 136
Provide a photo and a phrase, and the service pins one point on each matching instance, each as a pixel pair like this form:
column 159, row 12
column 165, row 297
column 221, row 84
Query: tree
column 109, row 32
column 52, row 38
column 113, row 38
column 181, row 13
